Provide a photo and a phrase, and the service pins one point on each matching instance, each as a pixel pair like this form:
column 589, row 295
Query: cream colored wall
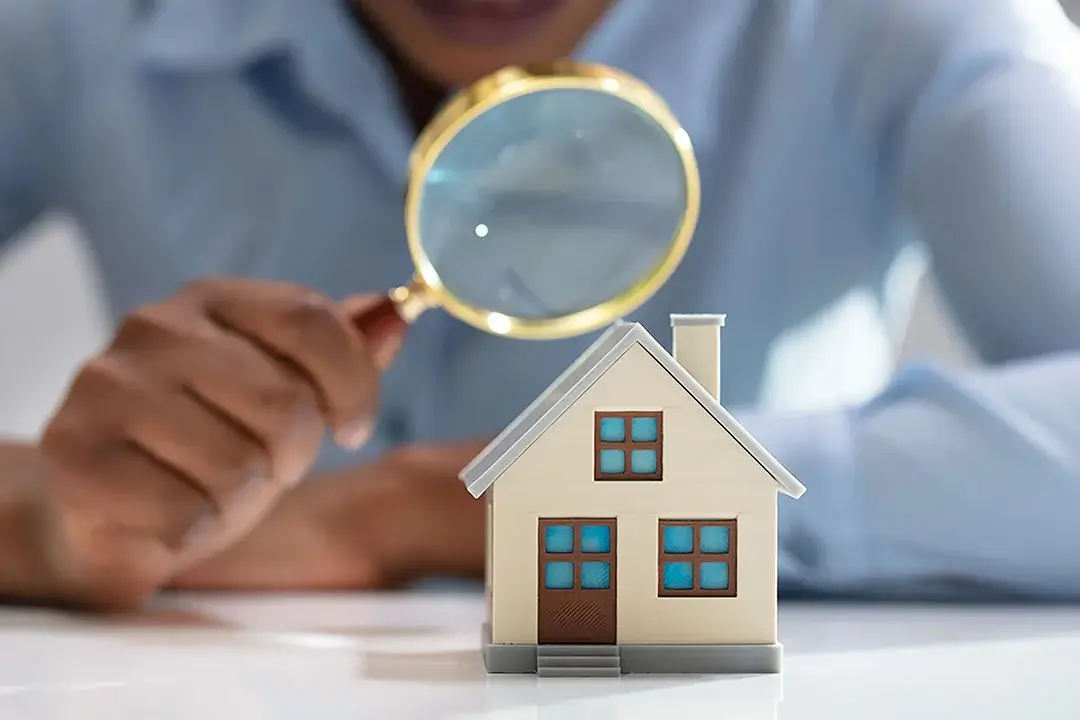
column 489, row 545
column 707, row 475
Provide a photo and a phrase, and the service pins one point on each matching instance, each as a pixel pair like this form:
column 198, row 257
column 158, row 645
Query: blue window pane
column 643, row 462
column 595, row 576
column 612, row 429
column 558, row 539
column 559, row 575
column 644, row 430
column 679, row 576
column 679, row 539
column 612, row 462
column 595, row 539
column 715, row 539
column 714, row 576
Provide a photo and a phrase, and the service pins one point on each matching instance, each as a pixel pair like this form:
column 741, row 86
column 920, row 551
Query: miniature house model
column 631, row 521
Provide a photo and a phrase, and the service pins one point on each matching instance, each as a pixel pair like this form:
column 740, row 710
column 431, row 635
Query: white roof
column 560, row 396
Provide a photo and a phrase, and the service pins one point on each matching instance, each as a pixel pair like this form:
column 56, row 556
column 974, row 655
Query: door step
column 578, row 661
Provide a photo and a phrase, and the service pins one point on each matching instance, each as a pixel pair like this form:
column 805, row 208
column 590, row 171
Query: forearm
column 952, row 485
column 298, row 546
column 941, row 487
column 291, row 549
column 24, row 575
column 402, row 518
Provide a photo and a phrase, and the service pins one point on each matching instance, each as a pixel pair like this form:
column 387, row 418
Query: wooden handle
column 384, row 328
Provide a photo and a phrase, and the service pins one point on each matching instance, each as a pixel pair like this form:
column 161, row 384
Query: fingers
column 149, row 498
column 144, row 436
column 311, row 333
column 233, row 379
column 180, row 438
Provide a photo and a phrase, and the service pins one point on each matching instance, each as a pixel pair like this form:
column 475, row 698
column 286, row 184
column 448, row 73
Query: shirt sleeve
column 962, row 484
column 27, row 86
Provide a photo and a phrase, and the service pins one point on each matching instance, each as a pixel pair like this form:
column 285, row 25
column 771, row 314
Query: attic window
column 629, row 446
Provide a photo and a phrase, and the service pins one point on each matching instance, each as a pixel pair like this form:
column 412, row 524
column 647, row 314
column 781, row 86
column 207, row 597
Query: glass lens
column 552, row 203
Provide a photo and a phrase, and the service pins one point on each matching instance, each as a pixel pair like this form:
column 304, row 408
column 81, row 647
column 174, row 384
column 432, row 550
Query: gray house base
column 616, row 660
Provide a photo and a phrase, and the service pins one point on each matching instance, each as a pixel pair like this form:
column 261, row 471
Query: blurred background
column 50, row 271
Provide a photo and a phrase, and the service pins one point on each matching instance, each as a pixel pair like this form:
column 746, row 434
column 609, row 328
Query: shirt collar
column 335, row 63
column 331, row 61
column 203, row 34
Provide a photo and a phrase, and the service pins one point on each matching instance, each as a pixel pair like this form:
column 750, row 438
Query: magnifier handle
column 383, row 327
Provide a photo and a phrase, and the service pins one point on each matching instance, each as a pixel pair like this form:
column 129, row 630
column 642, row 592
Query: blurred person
column 238, row 167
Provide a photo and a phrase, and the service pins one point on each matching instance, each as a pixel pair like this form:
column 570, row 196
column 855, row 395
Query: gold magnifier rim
column 427, row 289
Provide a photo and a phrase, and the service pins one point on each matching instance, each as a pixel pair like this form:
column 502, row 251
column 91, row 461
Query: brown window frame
column 577, row 556
column 696, row 558
column 627, row 445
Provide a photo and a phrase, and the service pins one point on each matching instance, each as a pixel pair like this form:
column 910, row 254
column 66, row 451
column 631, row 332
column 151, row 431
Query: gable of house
column 653, row 367
column 634, row 441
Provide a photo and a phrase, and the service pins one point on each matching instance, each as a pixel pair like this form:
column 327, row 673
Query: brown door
column 577, row 581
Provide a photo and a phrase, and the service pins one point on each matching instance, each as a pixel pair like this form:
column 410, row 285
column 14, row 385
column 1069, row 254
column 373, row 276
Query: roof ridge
column 566, row 389
column 508, row 438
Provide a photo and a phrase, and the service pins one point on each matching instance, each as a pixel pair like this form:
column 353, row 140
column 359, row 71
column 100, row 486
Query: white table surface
column 390, row 656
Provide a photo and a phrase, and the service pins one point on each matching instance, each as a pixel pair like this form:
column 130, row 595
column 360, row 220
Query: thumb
column 379, row 321
column 356, row 304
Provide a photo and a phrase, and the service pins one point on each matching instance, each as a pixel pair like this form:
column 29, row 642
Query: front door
column 577, row 581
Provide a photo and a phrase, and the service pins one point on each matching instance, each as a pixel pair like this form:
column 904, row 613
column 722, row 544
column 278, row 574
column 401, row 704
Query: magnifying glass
column 544, row 203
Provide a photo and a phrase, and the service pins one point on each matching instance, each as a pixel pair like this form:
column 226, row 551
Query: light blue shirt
column 263, row 138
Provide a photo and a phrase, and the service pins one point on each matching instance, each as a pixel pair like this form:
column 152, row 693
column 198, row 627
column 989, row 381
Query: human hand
column 176, row 440
column 411, row 517
column 404, row 517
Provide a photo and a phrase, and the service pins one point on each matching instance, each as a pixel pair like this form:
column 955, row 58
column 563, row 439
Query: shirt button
column 396, row 427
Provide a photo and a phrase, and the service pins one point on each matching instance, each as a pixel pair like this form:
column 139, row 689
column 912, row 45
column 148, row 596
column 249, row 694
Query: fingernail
column 199, row 529
column 386, row 351
column 354, row 435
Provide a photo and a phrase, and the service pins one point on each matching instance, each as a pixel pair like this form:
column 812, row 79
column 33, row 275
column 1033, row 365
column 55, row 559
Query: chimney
column 695, row 343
